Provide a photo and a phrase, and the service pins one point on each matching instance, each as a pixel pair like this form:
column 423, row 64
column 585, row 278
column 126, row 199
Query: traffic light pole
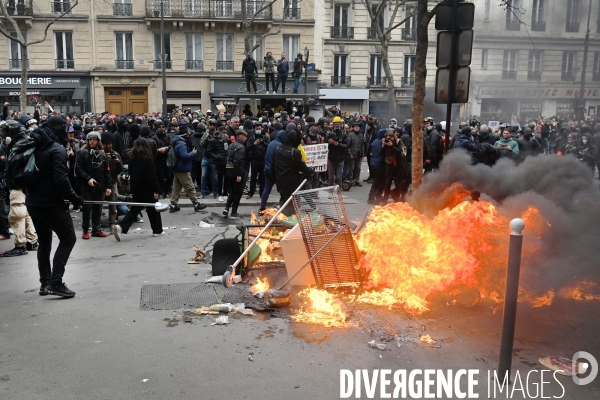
column 453, row 67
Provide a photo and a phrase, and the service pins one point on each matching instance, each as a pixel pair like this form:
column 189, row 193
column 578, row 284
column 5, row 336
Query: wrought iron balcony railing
column 230, row 9
column 194, row 65
column 572, row 27
column 371, row 33
column 534, row 75
column 378, row 81
column 409, row 33
column 568, row 76
column 292, row 13
column 538, row 26
column 15, row 63
column 64, row 64
column 340, row 81
column 158, row 64
column 124, row 64
column 123, row 9
column 408, row 81
column 59, row 7
column 224, row 65
column 342, row 32
column 509, row 75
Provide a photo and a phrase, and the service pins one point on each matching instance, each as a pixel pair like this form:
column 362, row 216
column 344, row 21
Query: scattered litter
column 225, row 307
column 169, row 227
column 241, row 308
column 215, row 279
column 118, row 255
column 185, row 229
column 198, row 257
column 380, row 356
column 296, row 387
column 250, row 358
column 427, row 339
column 196, row 274
column 563, row 366
column 221, row 320
column 435, row 346
column 137, row 229
column 277, row 298
column 206, row 311
column 97, row 341
column 380, row 346
column 203, row 224
column 145, row 380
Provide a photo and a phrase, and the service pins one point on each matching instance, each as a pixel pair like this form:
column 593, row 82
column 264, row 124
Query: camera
column 387, row 140
column 474, row 122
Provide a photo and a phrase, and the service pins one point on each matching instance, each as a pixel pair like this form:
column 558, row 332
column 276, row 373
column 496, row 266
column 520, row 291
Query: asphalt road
column 99, row 345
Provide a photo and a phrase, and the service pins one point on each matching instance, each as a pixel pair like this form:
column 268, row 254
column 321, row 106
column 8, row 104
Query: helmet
column 13, row 127
column 257, row 123
column 158, row 123
column 76, row 125
column 88, row 128
column 93, row 134
column 428, row 119
column 212, row 121
column 31, row 121
column 337, row 120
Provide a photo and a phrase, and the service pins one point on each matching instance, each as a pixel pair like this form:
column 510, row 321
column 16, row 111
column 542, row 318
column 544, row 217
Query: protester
column 234, row 170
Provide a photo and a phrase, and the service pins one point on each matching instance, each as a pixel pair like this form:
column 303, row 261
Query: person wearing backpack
column 45, row 203
column 181, row 172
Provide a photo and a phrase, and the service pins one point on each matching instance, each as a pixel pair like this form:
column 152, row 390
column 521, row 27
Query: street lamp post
column 581, row 102
column 163, row 59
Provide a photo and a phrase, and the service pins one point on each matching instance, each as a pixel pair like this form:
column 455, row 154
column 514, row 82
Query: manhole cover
column 187, row 295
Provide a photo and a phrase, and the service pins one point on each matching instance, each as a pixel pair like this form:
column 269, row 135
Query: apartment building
column 348, row 54
column 529, row 62
column 107, row 56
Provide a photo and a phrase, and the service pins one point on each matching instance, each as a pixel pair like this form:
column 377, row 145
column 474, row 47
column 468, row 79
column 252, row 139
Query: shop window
column 64, row 50
column 157, row 52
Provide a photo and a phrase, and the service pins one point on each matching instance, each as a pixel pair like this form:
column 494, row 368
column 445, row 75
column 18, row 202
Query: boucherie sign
column 16, row 80
column 531, row 93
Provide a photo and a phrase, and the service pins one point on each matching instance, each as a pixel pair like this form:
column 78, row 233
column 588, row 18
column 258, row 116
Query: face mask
column 429, row 127
column 584, row 141
column 336, row 128
column 258, row 132
column 7, row 140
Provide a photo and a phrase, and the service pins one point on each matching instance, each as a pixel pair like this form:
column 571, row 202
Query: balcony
column 124, row 64
column 572, row 27
column 227, row 9
column 534, row 75
column 292, row 14
column 121, row 9
column 538, row 26
column 342, row 32
column 158, row 65
column 568, row 76
column 409, row 34
column 371, row 33
column 224, row 66
column 18, row 9
column 64, row 64
column 509, row 75
column 513, row 25
column 337, row 81
column 60, row 7
column 194, row 65
column 15, row 63
column 408, row 81
column 378, row 81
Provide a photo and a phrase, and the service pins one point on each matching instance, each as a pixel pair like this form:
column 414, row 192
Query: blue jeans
column 122, row 209
column 297, row 81
column 205, row 175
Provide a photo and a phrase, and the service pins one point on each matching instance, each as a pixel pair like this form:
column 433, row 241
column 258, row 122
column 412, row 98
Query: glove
column 76, row 200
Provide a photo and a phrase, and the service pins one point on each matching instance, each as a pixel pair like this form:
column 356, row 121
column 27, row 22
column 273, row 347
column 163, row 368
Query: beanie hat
column 466, row 130
column 93, row 134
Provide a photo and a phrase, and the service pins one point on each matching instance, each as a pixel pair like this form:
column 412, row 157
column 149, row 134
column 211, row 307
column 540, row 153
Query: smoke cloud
column 561, row 188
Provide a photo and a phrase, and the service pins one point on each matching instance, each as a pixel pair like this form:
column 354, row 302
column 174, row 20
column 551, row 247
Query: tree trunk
column 419, row 94
column 23, row 96
column 390, row 77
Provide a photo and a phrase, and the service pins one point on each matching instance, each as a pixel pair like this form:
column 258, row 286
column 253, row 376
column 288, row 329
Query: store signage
column 531, row 108
column 41, row 81
column 534, row 93
column 14, row 80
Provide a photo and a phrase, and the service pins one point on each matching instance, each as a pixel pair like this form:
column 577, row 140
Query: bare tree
column 384, row 35
column 20, row 38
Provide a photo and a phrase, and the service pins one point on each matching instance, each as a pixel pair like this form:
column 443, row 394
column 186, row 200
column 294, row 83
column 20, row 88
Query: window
column 257, row 53
column 60, row 6
column 596, row 76
column 291, row 45
column 124, row 50
column 572, row 16
column 372, row 31
column 14, row 51
column 123, row 7
column 223, row 8
column 484, row 58
column 254, row 6
column 224, row 52
column 157, row 52
column 409, row 32
column 408, row 79
column 64, row 50
column 486, row 10
column 376, row 71
column 340, row 28
column 193, row 51
column 293, row 9
column 191, row 8
column 512, row 16
column 568, row 65
column 509, row 65
column 340, row 71
column 537, row 15
column 534, row 69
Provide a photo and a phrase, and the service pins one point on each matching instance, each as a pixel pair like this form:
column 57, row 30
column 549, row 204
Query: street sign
column 444, row 49
column 462, row 77
column 464, row 17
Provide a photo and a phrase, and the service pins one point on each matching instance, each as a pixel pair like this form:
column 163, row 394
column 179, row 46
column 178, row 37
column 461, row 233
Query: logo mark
column 583, row 367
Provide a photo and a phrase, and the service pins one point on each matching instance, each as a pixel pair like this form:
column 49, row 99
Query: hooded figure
column 269, row 178
column 377, row 168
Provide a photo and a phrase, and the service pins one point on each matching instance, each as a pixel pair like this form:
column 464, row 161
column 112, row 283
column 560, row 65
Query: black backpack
column 487, row 154
column 172, row 157
column 21, row 171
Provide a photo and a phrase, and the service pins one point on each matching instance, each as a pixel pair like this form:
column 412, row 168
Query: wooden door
column 122, row 101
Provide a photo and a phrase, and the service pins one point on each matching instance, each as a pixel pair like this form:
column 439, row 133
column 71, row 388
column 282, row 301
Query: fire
column 540, row 301
column 580, row 291
column 268, row 242
column 322, row 308
column 260, row 286
column 427, row 339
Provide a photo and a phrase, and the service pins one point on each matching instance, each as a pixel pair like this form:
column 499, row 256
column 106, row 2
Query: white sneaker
column 159, row 234
column 221, row 198
column 117, row 230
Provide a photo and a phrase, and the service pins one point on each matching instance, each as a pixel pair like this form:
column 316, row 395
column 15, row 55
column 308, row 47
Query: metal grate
column 188, row 296
column 321, row 214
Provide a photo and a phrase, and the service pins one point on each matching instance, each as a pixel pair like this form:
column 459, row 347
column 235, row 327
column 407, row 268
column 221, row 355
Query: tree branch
column 75, row 3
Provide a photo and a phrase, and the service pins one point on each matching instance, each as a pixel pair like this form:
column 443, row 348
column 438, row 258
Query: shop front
column 404, row 101
column 350, row 101
column 68, row 93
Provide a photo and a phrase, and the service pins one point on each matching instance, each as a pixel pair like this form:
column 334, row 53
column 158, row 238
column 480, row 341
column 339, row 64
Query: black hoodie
column 288, row 165
column 53, row 187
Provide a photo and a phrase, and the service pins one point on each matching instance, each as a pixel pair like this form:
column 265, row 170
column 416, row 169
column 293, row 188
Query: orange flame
column 580, row 291
column 260, row 286
column 427, row 339
column 322, row 308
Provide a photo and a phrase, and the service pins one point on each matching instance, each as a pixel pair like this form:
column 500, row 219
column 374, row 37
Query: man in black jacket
column 257, row 150
column 93, row 173
column 249, row 71
column 234, row 171
column 163, row 142
column 338, row 145
column 46, row 205
column 299, row 64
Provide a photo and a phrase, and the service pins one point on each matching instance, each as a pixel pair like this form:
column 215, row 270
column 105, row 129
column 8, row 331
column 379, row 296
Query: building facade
column 527, row 61
column 107, row 56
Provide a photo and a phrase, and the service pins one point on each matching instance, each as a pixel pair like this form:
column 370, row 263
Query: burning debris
column 322, row 308
column 427, row 339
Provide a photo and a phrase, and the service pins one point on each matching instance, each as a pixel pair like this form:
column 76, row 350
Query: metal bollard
column 510, row 299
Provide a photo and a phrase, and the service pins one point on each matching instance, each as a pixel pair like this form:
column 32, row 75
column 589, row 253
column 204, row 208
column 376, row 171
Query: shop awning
column 78, row 93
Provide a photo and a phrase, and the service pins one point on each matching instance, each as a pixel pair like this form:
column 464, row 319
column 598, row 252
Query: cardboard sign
column 317, row 156
column 494, row 124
